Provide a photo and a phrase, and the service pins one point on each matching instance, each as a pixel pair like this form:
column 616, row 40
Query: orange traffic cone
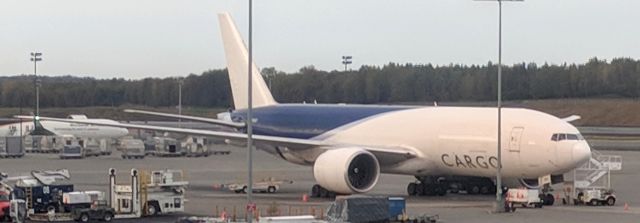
column 305, row 197
column 626, row 206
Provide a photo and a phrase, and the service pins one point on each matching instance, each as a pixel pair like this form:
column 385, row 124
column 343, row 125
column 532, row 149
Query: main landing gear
column 321, row 192
column 428, row 186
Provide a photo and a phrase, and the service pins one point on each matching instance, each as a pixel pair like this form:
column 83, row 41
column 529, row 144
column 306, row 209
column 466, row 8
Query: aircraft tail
column 237, row 65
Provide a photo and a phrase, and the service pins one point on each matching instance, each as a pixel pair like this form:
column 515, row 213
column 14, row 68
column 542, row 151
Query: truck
column 360, row 208
column 42, row 190
column 11, row 147
column 524, row 197
column 596, row 197
column 148, row 194
column 132, row 148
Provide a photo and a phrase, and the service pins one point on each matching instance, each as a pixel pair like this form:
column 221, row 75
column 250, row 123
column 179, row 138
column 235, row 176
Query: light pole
column 35, row 57
column 499, row 206
column 180, row 83
column 250, row 204
column 346, row 60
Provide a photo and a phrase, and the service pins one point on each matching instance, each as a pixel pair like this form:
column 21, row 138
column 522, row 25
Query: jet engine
column 347, row 170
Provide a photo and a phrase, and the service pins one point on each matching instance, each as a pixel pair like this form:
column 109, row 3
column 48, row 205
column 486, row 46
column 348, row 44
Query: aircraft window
column 554, row 137
column 562, row 137
column 572, row 137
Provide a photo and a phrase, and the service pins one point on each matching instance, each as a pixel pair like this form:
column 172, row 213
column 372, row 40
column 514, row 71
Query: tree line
column 391, row 83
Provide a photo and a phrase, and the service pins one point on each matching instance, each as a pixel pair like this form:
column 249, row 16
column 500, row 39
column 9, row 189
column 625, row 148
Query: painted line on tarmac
column 616, row 209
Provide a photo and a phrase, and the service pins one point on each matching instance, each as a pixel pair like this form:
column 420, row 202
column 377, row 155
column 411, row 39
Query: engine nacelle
column 347, row 170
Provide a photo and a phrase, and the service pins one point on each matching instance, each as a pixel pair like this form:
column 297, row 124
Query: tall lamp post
column 250, row 205
column 346, row 60
column 35, row 58
column 180, row 83
column 499, row 206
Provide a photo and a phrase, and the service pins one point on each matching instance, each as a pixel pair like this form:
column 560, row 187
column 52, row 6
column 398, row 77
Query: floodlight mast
column 35, row 58
column 249, row 191
column 499, row 207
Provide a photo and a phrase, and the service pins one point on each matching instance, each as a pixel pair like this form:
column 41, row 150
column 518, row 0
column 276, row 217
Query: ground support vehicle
column 92, row 147
column 11, row 147
column 150, row 193
column 166, row 147
column 33, row 144
column 591, row 184
column 269, row 185
column 42, row 198
column 196, row 146
column 18, row 211
column 132, row 149
column 596, row 197
column 100, row 211
column 524, row 197
column 72, row 152
column 359, row 208
column 5, row 205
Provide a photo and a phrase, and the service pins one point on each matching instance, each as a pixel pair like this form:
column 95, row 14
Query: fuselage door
column 514, row 140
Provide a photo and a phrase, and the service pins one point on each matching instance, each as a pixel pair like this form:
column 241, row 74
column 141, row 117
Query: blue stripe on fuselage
column 306, row 121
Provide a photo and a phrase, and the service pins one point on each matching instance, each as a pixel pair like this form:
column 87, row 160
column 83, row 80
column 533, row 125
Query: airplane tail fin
column 237, row 65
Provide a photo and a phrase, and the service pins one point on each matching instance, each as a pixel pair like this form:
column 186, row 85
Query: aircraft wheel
column 411, row 189
column 611, row 201
column 315, row 190
column 473, row 189
column 419, row 189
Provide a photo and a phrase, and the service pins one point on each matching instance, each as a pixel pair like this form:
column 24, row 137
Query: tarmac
column 204, row 198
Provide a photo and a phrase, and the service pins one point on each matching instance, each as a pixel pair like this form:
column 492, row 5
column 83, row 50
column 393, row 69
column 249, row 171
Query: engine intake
column 347, row 170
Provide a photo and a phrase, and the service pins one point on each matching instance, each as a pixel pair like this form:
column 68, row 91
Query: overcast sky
column 159, row 38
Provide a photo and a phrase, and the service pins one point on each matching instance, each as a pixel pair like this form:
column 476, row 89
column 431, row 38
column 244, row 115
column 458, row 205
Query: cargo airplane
column 349, row 146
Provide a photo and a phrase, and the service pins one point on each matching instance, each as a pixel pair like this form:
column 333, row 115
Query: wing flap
column 187, row 117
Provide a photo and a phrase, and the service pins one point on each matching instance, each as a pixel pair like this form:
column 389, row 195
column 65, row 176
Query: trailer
column 132, row 149
column 269, row 185
column 72, row 152
column 11, row 147
column 166, row 147
column 359, row 208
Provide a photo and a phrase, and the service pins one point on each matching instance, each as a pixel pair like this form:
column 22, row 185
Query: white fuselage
column 463, row 141
column 64, row 128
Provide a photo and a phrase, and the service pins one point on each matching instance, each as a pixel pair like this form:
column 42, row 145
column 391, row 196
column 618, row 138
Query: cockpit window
column 563, row 136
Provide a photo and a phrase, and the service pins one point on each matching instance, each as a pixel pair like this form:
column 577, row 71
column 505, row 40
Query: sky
column 161, row 38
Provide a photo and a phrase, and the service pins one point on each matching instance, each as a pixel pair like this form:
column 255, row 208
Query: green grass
column 594, row 112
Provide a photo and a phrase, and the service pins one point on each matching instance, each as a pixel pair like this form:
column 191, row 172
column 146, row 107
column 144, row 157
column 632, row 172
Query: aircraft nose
column 581, row 152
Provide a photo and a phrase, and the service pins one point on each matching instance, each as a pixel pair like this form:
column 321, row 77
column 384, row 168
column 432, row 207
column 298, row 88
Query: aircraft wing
column 386, row 155
column 186, row 117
